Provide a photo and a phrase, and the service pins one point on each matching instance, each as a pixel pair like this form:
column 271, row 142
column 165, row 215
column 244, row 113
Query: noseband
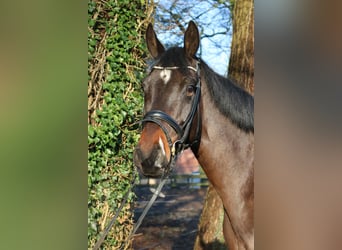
column 183, row 131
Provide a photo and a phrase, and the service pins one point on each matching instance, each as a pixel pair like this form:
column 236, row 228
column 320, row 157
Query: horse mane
column 233, row 102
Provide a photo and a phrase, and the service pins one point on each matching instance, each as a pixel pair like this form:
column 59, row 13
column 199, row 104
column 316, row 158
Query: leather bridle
column 183, row 131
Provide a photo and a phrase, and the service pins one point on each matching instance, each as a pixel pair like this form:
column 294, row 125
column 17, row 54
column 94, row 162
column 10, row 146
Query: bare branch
column 214, row 34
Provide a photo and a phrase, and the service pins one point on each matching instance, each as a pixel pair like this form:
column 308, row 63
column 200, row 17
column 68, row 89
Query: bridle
column 183, row 131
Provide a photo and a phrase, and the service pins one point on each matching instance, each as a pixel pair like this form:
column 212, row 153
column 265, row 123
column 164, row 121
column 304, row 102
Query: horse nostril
column 151, row 160
column 152, row 163
column 139, row 156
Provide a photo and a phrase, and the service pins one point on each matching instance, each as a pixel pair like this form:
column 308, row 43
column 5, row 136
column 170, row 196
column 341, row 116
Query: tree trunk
column 241, row 64
column 210, row 235
column 241, row 70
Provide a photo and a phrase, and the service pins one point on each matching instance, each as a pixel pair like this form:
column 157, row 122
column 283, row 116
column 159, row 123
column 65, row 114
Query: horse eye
column 190, row 89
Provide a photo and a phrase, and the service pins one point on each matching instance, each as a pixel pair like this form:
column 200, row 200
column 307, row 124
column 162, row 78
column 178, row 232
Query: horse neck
column 224, row 148
column 226, row 154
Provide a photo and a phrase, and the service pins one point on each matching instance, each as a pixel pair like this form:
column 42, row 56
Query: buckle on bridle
column 177, row 147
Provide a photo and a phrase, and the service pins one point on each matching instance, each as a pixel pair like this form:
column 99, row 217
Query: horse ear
column 153, row 44
column 191, row 40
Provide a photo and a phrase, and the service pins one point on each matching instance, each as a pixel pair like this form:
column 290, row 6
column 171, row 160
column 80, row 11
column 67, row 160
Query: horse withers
column 188, row 105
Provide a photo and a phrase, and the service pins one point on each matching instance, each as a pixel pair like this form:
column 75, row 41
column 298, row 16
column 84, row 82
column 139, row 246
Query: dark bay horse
column 188, row 105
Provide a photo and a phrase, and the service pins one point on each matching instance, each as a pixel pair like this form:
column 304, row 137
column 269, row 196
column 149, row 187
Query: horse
column 188, row 105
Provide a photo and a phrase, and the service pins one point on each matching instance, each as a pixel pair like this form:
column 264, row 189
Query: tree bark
column 210, row 235
column 241, row 70
column 241, row 63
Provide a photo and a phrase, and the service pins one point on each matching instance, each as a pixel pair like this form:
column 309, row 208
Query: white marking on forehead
column 165, row 75
column 161, row 144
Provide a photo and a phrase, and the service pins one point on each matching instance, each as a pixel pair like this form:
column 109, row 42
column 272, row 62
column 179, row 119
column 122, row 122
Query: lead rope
column 146, row 209
column 163, row 180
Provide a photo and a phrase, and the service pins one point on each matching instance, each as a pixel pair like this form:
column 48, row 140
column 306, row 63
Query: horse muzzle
column 152, row 164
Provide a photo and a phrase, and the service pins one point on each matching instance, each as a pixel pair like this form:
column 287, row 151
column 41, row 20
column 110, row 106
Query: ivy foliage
column 115, row 70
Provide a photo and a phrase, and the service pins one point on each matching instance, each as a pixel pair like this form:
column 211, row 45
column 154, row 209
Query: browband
column 174, row 67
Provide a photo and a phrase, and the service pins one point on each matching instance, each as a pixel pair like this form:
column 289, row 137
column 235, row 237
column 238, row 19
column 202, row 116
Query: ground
column 172, row 222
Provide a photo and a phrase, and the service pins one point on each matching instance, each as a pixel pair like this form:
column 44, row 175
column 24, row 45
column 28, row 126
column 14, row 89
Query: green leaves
column 113, row 132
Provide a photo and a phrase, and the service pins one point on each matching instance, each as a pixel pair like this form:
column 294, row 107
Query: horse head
column 170, row 89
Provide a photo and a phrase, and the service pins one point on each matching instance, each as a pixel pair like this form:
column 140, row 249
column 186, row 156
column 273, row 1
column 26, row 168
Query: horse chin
column 154, row 175
column 153, row 172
